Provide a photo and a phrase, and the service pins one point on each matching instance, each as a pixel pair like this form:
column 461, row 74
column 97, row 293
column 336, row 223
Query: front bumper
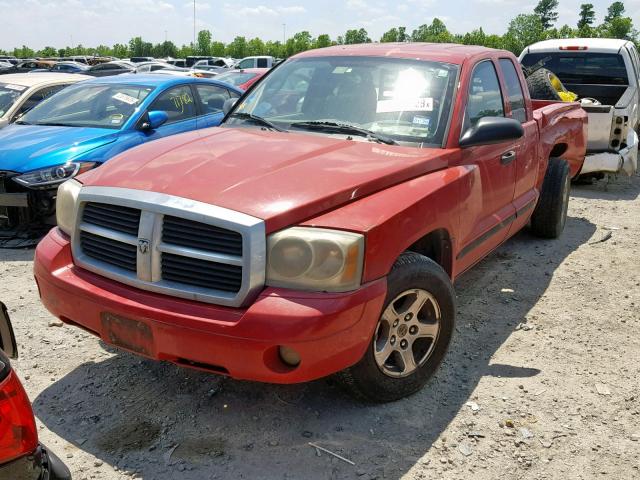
column 330, row 331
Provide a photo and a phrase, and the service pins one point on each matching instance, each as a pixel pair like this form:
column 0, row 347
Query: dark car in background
column 22, row 456
column 29, row 65
column 70, row 67
column 111, row 68
column 141, row 59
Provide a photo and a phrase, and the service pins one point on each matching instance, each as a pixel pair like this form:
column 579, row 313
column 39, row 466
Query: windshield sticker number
column 423, row 121
column 181, row 100
column 406, row 105
column 123, row 97
column 17, row 88
column 116, row 118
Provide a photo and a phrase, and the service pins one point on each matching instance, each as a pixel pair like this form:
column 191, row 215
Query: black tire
column 550, row 215
column 366, row 380
column 540, row 87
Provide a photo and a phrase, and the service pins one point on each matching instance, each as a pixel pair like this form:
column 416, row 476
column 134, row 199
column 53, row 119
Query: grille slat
column 216, row 276
column 109, row 251
column 188, row 233
column 114, row 217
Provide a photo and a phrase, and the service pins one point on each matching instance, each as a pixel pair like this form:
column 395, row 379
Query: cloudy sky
column 38, row 23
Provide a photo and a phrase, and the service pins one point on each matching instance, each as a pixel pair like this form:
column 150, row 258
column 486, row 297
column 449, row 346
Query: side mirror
column 155, row 119
column 7, row 337
column 490, row 130
column 228, row 105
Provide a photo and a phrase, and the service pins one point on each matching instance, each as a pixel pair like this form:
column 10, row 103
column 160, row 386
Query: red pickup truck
column 319, row 230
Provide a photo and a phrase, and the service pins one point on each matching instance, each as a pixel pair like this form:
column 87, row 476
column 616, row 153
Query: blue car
column 88, row 123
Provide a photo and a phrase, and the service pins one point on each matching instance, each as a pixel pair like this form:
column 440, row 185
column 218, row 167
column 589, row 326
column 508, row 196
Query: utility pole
column 194, row 27
column 284, row 33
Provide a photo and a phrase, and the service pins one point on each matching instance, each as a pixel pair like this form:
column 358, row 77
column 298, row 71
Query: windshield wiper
column 344, row 128
column 262, row 121
column 52, row 124
column 22, row 122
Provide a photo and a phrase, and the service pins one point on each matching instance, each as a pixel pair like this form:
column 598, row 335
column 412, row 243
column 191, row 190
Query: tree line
column 523, row 30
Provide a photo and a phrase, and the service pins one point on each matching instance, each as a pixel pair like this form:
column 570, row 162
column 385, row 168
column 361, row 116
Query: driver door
column 485, row 223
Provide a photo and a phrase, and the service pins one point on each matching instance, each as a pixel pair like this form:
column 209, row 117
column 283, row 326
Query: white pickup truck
column 604, row 74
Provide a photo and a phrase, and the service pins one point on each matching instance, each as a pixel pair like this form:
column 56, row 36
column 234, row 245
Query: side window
column 514, row 90
column 485, row 98
column 212, row 98
column 177, row 102
column 634, row 60
column 262, row 63
column 248, row 63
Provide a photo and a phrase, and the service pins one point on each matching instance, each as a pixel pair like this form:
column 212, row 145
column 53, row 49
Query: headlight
column 315, row 259
column 67, row 205
column 52, row 176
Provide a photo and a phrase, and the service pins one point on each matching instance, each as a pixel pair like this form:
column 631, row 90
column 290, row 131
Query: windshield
column 582, row 67
column 95, row 106
column 235, row 78
column 404, row 100
column 8, row 95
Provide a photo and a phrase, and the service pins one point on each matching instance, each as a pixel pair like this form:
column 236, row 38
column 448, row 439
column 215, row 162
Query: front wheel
column 412, row 334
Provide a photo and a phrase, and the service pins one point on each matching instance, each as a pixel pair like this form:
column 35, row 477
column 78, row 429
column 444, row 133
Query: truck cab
column 604, row 74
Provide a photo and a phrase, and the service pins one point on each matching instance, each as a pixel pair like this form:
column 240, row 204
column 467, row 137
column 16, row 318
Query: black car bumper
column 41, row 465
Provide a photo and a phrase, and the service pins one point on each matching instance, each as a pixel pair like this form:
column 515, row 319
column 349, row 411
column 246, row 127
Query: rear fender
column 398, row 217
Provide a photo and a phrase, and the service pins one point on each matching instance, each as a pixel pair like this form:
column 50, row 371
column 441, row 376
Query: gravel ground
column 541, row 382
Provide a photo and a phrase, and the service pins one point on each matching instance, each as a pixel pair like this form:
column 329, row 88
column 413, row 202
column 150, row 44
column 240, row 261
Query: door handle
column 508, row 157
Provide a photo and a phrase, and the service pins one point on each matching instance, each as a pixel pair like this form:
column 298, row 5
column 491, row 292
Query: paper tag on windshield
column 342, row 70
column 424, row 121
column 18, row 88
column 123, row 97
column 406, row 105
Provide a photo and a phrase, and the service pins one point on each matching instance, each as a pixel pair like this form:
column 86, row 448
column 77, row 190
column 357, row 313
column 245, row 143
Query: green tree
column 587, row 16
column 615, row 10
column 352, row 37
column 120, row 50
column 475, row 37
column 395, row 35
column 546, row 11
column 237, row 48
column 217, row 49
column 24, row 52
column 138, row 48
column 203, row 43
column 322, row 41
column 255, row 46
column 436, row 32
column 48, row 52
column 523, row 30
column 274, row 49
column 620, row 27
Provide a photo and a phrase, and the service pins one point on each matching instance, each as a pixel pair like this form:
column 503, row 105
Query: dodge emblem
column 143, row 245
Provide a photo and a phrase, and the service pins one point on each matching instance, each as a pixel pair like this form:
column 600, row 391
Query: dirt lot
column 542, row 381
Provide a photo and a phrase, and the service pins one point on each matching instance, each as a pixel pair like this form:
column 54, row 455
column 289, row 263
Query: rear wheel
column 550, row 215
column 412, row 334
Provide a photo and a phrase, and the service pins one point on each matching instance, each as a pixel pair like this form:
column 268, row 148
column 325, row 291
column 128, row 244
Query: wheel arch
column 436, row 245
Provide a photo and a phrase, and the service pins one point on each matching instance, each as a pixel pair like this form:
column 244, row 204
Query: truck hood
column 29, row 147
column 283, row 178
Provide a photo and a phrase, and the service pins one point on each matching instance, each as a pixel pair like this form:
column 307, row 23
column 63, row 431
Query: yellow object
column 563, row 93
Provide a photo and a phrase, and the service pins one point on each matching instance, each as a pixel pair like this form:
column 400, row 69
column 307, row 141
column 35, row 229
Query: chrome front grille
column 204, row 274
column 171, row 245
column 109, row 251
column 187, row 233
column 114, row 217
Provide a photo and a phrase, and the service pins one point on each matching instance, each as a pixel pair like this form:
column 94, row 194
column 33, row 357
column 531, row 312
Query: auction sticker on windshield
column 405, row 105
column 18, row 88
column 123, row 97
